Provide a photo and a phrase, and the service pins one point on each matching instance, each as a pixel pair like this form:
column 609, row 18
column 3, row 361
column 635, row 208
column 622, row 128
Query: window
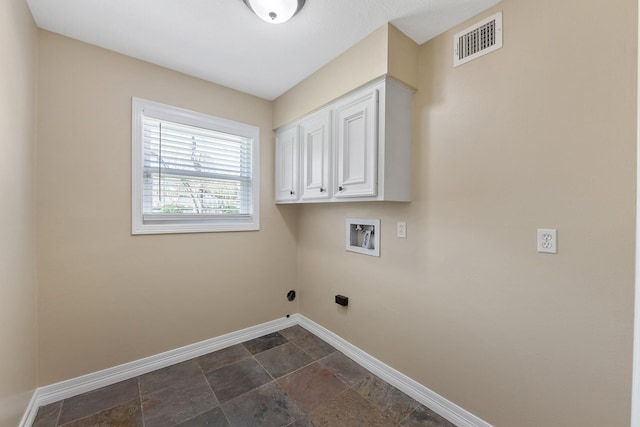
column 192, row 172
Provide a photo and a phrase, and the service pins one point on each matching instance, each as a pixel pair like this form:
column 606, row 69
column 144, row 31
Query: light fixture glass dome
column 275, row 11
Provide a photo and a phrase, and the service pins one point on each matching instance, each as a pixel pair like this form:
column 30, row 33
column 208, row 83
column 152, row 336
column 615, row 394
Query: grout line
column 265, row 369
column 59, row 413
column 75, row 420
column 249, row 391
column 204, row 375
column 140, row 401
column 408, row 415
column 224, row 414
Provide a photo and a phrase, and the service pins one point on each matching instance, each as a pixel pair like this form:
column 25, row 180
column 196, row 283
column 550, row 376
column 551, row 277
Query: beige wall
column 402, row 58
column 540, row 134
column 361, row 63
column 18, row 44
column 386, row 51
column 107, row 297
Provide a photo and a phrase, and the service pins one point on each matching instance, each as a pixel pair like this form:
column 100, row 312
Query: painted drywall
column 402, row 57
column 539, row 134
column 107, row 297
column 18, row 344
column 361, row 63
column 386, row 51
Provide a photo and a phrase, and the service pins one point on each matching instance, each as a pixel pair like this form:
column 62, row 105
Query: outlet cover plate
column 547, row 240
column 402, row 230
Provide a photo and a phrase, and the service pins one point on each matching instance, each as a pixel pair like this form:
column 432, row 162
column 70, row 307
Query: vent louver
column 478, row 40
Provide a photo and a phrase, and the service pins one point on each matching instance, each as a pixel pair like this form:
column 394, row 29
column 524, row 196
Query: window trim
column 192, row 223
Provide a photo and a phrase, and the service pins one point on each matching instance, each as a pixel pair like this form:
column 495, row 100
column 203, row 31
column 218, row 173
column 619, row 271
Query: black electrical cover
column 342, row 300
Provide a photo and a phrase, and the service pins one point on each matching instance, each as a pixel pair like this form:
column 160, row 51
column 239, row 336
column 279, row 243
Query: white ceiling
column 222, row 41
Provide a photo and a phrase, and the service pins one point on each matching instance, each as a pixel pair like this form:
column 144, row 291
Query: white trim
column 142, row 107
column 635, row 378
column 75, row 386
column 422, row 394
column 30, row 413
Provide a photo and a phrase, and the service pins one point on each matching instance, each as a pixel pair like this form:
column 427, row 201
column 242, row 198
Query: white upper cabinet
column 357, row 148
column 356, row 140
column 287, row 162
column 315, row 140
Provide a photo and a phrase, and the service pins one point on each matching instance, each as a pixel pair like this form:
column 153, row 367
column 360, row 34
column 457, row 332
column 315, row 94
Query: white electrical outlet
column 402, row 229
column 547, row 241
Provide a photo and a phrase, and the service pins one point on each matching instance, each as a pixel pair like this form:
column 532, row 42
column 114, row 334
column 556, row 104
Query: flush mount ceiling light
column 275, row 11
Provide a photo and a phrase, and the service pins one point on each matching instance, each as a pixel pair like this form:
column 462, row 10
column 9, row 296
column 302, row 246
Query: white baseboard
column 29, row 414
column 422, row 394
column 75, row 386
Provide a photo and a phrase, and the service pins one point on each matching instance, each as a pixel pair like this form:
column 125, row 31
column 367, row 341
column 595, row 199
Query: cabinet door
column 356, row 122
column 315, row 143
column 287, row 165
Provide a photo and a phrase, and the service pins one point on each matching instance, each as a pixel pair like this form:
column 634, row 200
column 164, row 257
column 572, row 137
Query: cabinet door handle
column 340, row 188
column 321, row 189
column 291, row 192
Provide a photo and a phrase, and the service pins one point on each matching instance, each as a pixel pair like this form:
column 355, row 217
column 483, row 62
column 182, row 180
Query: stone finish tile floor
column 289, row 378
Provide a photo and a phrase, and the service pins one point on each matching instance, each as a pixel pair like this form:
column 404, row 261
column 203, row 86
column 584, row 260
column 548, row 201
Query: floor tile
column 232, row 380
column 212, row 418
column 283, row 359
column 265, row 406
column 425, row 417
column 314, row 346
column 178, row 402
column 303, row 422
column 263, row 343
column 349, row 409
column 315, row 386
column 311, row 386
column 387, row 398
column 125, row 415
column 170, row 375
column 48, row 415
column 345, row 369
column 220, row 358
column 295, row 332
column 98, row 400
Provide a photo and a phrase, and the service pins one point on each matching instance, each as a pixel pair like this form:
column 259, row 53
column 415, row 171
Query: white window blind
column 195, row 171
column 192, row 172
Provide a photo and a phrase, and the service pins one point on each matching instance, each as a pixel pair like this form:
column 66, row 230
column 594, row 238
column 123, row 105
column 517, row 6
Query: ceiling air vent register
column 478, row 40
